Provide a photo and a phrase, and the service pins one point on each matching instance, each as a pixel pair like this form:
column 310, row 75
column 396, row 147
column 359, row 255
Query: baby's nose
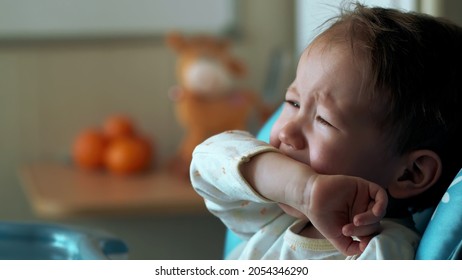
column 292, row 136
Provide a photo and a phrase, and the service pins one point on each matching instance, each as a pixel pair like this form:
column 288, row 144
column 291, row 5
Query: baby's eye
column 322, row 121
column 293, row 103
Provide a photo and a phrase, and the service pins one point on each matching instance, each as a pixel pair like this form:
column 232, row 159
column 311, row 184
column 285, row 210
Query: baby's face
column 326, row 124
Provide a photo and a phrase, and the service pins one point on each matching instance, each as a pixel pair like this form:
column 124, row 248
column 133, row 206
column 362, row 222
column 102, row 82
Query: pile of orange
column 116, row 146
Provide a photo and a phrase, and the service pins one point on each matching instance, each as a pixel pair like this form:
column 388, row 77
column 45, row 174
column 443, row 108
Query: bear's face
column 207, row 77
column 205, row 66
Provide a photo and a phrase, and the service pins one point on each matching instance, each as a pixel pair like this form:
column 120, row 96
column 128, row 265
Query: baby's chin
column 292, row 211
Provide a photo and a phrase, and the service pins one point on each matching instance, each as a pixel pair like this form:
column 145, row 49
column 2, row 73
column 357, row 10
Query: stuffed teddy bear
column 208, row 99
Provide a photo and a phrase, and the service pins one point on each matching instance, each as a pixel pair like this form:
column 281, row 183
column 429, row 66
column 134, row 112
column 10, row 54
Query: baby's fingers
column 379, row 201
column 366, row 230
column 376, row 209
column 367, row 218
column 363, row 242
column 347, row 246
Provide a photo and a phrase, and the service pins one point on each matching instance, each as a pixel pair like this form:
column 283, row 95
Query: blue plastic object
column 41, row 241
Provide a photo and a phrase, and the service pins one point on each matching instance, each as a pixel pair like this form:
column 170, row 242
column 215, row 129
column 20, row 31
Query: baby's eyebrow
column 293, row 88
column 329, row 102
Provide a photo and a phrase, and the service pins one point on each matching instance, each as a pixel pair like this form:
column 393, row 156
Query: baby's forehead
column 368, row 95
column 339, row 55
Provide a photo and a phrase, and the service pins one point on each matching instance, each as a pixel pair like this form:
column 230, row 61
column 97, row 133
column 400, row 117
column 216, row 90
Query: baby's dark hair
column 412, row 63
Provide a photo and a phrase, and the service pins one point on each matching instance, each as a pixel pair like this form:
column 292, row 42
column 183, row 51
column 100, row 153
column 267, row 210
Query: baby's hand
column 341, row 207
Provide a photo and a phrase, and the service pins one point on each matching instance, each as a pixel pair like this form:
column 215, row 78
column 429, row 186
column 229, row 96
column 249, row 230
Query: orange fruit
column 118, row 126
column 89, row 149
column 127, row 155
column 148, row 147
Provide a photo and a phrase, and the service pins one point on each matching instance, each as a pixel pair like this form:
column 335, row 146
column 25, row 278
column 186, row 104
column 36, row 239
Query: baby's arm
column 269, row 176
column 338, row 206
column 215, row 175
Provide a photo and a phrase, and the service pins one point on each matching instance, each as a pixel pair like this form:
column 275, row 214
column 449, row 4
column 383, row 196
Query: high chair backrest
column 441, row 228
column 442, row 238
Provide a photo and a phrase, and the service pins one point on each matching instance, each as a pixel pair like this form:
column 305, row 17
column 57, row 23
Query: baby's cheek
column 324, row 163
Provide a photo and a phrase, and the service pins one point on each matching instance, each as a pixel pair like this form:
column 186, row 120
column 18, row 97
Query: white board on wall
column 84, row 18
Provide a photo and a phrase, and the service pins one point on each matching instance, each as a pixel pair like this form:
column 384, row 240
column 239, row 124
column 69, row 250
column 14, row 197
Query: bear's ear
column 223, row 44
column 236, row 67
column 176, row 41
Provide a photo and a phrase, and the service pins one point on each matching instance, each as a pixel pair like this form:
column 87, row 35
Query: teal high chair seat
column 441, row 228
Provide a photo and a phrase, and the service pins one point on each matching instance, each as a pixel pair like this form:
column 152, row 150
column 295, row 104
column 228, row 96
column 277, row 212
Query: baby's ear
column 421, row 170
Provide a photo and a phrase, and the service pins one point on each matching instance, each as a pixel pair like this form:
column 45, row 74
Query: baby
column 367, row 136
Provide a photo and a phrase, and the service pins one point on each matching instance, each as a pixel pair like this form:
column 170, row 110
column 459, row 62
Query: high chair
column 441, row 228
